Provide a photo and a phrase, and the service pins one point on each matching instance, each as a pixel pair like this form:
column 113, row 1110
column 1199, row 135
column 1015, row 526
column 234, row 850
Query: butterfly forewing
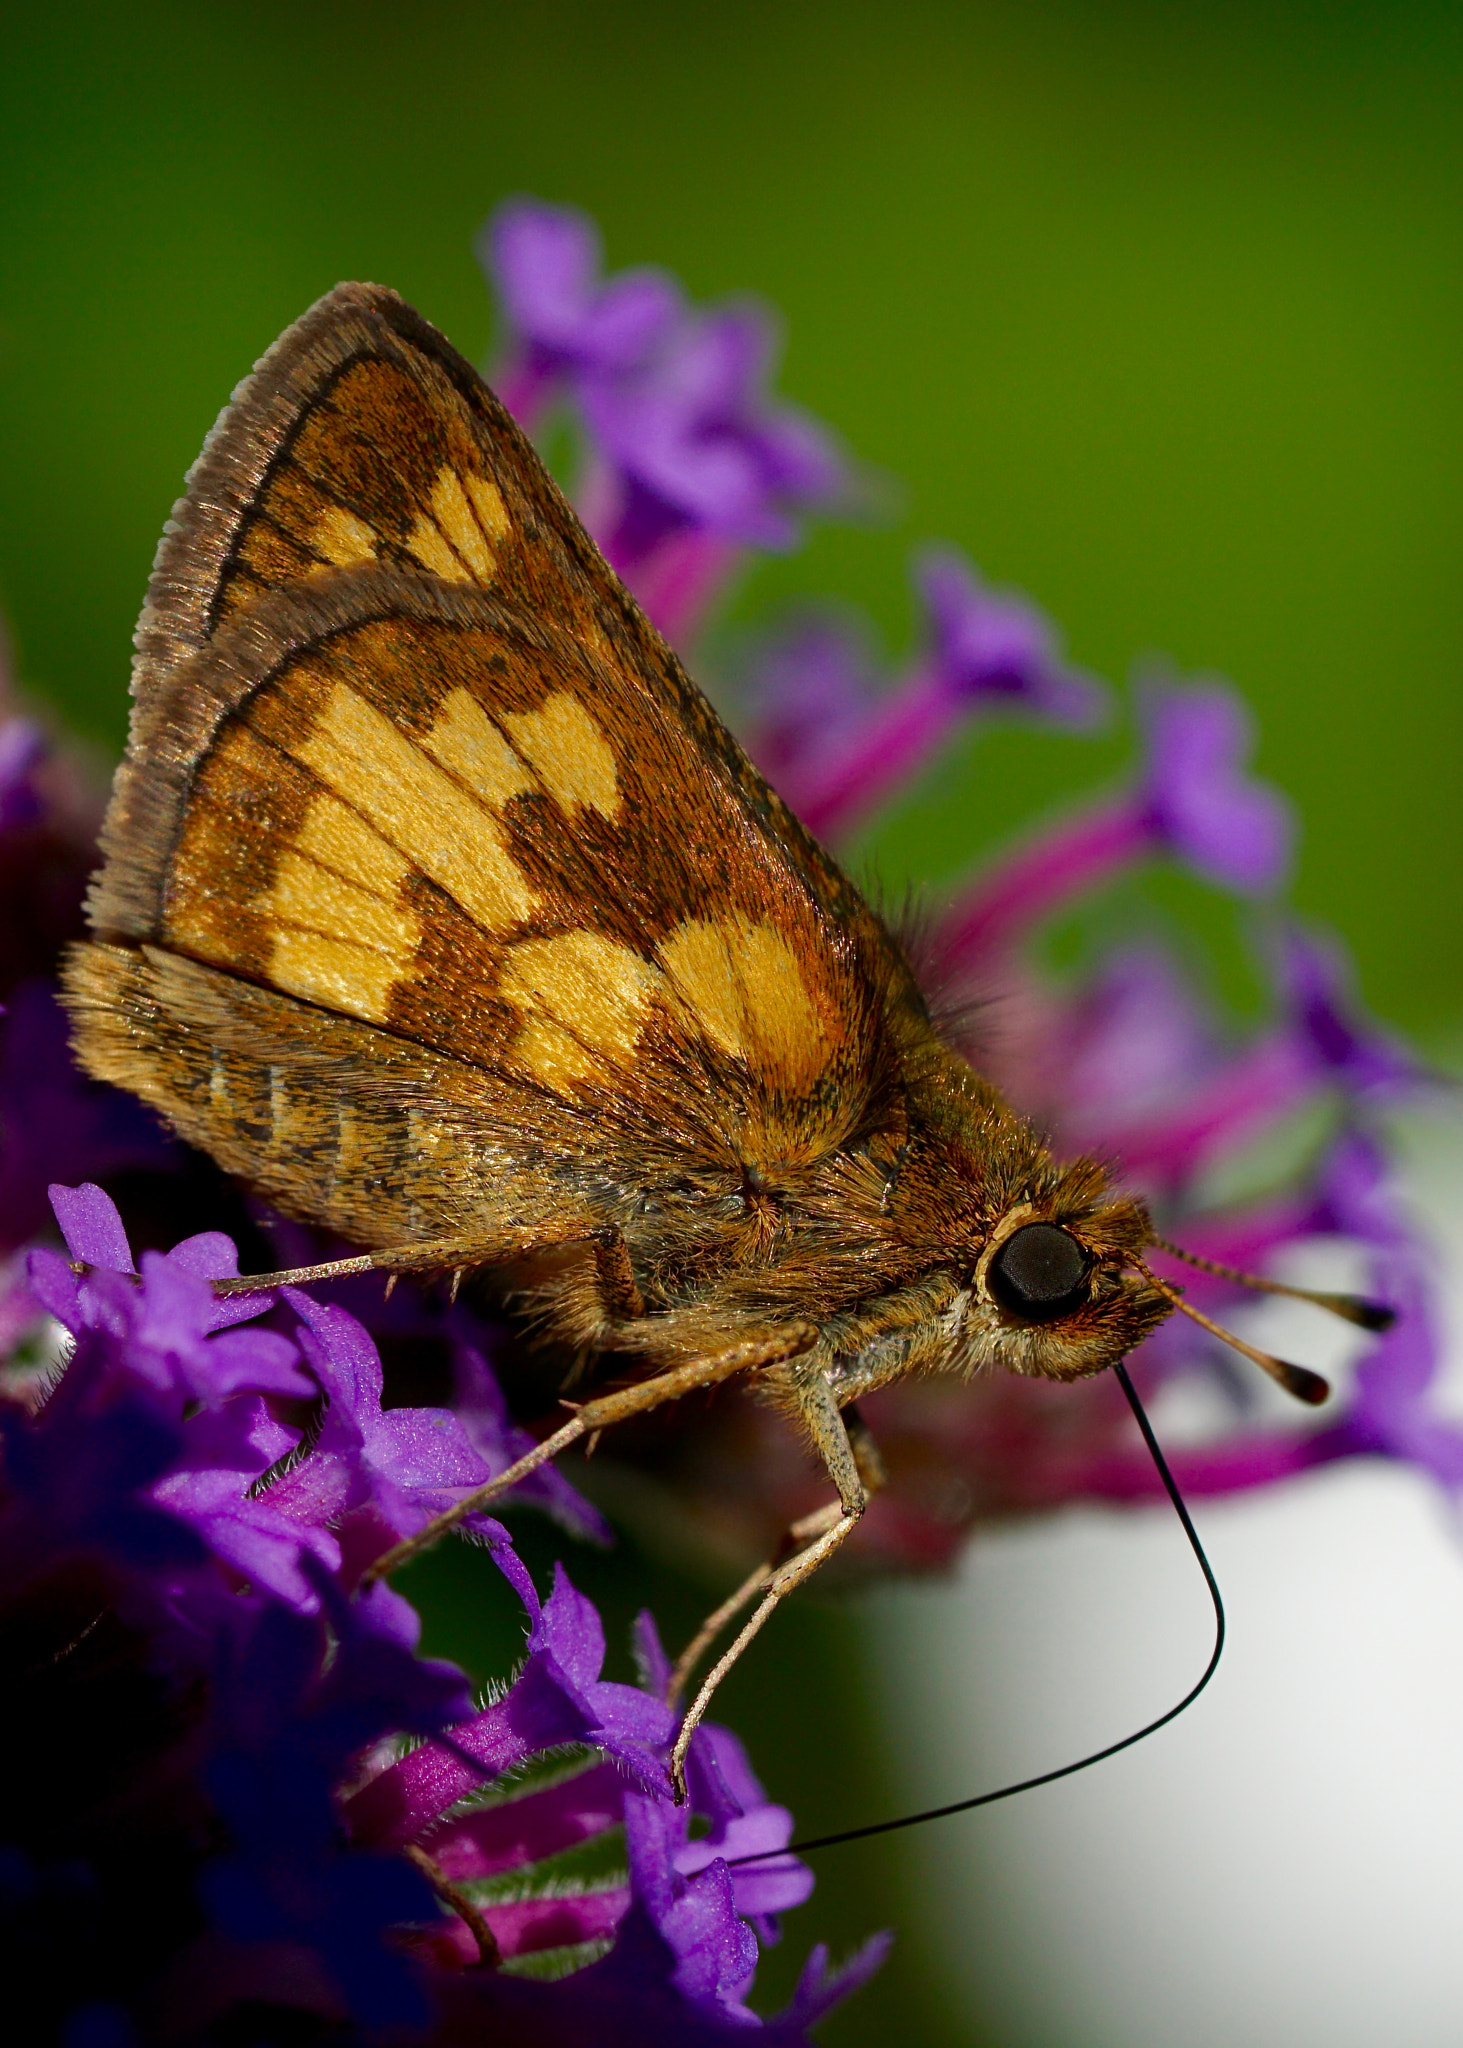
column 363, row 436
column 406, row 755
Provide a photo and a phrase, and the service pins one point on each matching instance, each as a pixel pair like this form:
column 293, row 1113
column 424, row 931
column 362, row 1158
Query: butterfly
column 440, row 907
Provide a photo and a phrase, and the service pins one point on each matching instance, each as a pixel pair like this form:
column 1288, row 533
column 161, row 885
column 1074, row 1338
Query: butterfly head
column 1055, row 1293
column 1062, row 1288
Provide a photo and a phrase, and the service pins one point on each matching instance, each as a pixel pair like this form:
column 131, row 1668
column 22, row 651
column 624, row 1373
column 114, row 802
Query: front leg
column 755, row 1351
column 827, row 1529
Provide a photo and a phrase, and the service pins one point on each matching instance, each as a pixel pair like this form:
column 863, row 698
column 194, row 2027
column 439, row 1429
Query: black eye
column 1039, row 1273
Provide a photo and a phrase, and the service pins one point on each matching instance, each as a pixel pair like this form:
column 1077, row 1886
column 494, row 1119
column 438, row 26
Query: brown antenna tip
column 1367, row 1315
column 1298, row 1380
column 1354, row 1308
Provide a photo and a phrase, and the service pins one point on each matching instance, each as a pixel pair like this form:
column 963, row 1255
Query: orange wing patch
column 574, row 760
column 743, row 984
column 583, row 999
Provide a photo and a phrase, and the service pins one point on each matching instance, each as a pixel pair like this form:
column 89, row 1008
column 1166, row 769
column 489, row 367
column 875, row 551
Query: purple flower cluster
column 690, row 462
column 217, row 1826
column 188, row 1508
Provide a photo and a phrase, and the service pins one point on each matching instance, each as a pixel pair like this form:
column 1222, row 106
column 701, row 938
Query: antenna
column 1299, row 1380
column 1354, row 1308
column 914, row 1820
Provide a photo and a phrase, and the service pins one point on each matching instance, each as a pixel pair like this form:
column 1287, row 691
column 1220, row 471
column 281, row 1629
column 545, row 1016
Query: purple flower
column 557, row 1698
column 287, row 1720
column 165, row 1479
column 691, row 462
column 698, row 444
column 1200, row 801
column 562, row 321
column 224, row 1454
column 1137, row 1035
column 58, row 1125
column 1339, row 1039
column 483, row 1413
column 50, row 808
column 22, row 748
column 835, row 748
column 169, row 1331
column 706, row 1917
column 210, row 1717
column 993, row 647
column 810, row 685
column 1192, row 801
column 388, row 1471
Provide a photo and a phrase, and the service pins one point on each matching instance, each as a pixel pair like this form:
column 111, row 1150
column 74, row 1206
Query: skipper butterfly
column 440, row 907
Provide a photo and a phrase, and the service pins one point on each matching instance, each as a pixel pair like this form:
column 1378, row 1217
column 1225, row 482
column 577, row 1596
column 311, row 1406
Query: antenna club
column 1354, row 1308
column 1370, row 1315
column 1299, row 1380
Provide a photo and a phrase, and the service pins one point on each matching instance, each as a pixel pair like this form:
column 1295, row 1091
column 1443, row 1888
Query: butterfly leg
column 602, row 1413
column 619, row 1293
column 870, row 1470
column 436, row 1255
column 818, row 1536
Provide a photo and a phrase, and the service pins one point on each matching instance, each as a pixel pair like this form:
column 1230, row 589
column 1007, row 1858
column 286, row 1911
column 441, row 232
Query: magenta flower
column 1192, row 801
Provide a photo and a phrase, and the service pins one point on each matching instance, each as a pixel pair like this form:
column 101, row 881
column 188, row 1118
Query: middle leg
column 794, row 1538
column 817, row 1537
column 601, row 1413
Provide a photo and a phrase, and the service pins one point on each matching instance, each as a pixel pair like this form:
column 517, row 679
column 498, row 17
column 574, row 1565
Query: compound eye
column 1039, row 1273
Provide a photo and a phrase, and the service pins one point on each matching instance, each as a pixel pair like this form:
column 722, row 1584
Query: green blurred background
column 1155, row 309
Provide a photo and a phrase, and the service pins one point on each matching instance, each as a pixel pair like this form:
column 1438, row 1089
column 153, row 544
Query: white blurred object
column 1282, row 1867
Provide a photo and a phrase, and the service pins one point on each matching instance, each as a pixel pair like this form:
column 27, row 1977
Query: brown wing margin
column 549, row 566
column 254, row 434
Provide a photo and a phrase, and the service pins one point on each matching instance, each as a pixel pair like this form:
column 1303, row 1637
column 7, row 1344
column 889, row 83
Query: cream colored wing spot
column 427, row 815
column 220, row 1095
column 455, row 515
column 487, row 502
column 356, row 1150
column 337, row 837
column 583, row 999
column 548, row 1052
column 332, row 972
column 698, row 960
column 435, row 552
column 317, row 900
column 574, row 760
column 452, row 538
column 343, row 538
column 742, row 983
column 467, row 743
